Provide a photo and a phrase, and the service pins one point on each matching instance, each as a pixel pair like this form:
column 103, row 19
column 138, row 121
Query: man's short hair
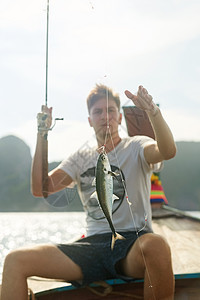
column 102, row 91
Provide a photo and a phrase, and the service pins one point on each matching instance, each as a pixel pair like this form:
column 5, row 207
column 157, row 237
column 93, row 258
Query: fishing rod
column 43, row 120
column 45, row 135
column 47, row 53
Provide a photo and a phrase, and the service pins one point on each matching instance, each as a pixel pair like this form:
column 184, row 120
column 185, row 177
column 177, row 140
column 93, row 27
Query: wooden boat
column 183, row 235
column 181, row 229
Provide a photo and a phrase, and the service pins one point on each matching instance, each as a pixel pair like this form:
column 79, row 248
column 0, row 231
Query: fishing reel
column 43, row 123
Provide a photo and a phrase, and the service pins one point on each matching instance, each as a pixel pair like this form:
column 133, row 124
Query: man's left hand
column 143, row 100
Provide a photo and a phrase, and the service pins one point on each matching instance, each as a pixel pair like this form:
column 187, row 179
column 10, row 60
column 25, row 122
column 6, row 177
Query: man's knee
column 14, row 262
column 155, row 248
column 157, row 255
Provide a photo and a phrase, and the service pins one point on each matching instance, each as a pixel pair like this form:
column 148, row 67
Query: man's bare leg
column 150, row 258
column 44, row 261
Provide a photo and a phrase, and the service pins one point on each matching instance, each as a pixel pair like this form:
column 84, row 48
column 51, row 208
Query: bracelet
column 154, row 109
column 43, row 133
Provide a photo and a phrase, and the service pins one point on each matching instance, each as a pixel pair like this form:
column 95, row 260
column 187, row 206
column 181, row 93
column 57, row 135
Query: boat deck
column 186, row 289
column 183, row 236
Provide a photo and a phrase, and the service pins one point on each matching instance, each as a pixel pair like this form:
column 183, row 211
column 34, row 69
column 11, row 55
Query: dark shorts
column 95, row 257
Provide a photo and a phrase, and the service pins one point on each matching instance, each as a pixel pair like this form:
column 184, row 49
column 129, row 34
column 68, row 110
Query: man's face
column 103, row 114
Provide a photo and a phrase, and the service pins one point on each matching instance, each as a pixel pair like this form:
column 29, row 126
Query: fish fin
column 94, row 182
column 114, row 174
column 94, row 195
column 115, row 237
column 114, row 197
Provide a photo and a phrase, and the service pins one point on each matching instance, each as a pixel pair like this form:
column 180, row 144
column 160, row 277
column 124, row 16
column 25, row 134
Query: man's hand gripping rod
column 43, row 128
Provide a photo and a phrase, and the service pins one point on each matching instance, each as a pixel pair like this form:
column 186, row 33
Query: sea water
column 27, row 229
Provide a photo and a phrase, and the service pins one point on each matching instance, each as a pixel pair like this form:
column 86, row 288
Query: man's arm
column 57, row 178
column 165, row 148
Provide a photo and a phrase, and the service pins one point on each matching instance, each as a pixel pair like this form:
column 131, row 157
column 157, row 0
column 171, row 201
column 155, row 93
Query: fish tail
column 116, row 236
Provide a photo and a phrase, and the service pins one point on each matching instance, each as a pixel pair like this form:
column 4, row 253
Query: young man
column 142, row 254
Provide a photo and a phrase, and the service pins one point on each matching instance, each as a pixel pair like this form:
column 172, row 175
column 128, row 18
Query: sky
column 120, row 43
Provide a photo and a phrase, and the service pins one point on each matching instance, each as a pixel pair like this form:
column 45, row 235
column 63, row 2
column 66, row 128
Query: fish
column 104, row 192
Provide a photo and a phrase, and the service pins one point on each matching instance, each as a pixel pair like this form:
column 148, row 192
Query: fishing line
column 107, row 118
column 108, row 132
column 47, row 53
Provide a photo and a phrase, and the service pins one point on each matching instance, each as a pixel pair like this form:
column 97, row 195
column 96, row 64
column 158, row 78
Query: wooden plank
column 187, row 288
column 187, row 214
column 183, row 236
column 38, row 284
column 118, row 291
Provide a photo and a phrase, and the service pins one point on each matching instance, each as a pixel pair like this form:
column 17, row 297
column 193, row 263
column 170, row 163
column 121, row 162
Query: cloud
column 63, row 140
column 22, row 14
column 68, row 136
column 184, row 126
column 131, row 42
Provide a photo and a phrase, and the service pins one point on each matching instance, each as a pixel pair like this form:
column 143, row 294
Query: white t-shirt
column 134, row 183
